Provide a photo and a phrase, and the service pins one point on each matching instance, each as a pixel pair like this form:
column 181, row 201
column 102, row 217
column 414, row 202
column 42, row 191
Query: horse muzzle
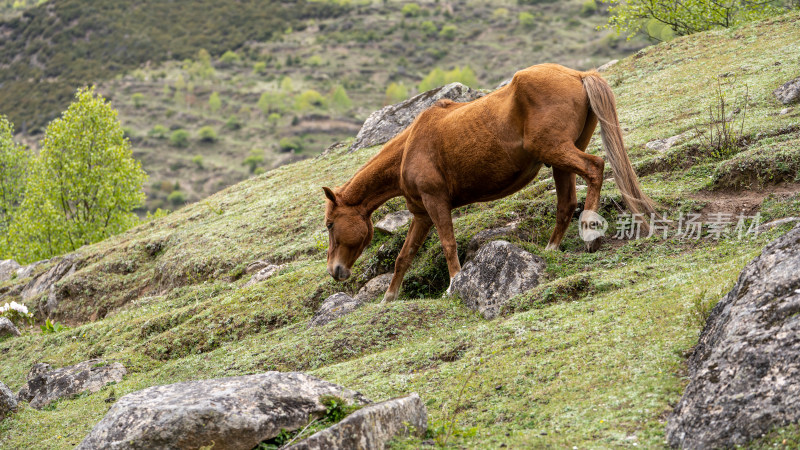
column 339, row 272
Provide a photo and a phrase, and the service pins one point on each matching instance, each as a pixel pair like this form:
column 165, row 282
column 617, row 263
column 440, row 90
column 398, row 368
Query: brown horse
column 454, row 154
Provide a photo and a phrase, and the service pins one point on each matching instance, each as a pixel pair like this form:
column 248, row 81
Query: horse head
column 349, row 233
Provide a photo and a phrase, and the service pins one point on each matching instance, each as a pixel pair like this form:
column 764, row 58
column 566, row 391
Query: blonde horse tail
column 601, row 100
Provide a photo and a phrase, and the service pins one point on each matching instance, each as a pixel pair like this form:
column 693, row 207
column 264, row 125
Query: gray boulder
column 263, row 274
column 8, row 403
column 745, row 371
column 388, row 122
column 498, row 272
column 789, row 92
column 485, row 236
column 45, row 386
column 374, row 288
column 662, row 145
column 607, row 65
column 372, row 427
column 7, row 328
column 335, row 306
column 8, row 269
column 394, row 221
column 226, row 413
column 41, row 284
column 27, row 271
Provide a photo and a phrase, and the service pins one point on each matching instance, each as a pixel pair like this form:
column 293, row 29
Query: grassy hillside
column 594, row 357
column 145, row 57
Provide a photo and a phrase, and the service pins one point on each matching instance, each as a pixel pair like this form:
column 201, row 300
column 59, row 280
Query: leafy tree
column 84, row 184
column 179, row 138
column 433, row 80
column 339, row 98
column 396, row 93
column 202, row 67
column 214, row 103
column 272, row 101
column 14, row 160
column 688, row 16
column 286, row 84
column 437, row 77
column 309, row 99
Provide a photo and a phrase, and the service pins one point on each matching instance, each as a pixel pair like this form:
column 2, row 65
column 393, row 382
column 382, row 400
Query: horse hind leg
column 567, row 202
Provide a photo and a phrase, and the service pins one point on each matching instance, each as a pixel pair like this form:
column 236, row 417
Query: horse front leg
column 439, row 211
column 417, row 232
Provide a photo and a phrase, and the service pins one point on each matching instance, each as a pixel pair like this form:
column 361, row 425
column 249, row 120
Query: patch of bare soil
column 746, row 202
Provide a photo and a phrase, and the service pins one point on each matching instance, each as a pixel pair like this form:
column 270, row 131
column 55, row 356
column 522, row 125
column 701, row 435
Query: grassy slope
column 596, row 367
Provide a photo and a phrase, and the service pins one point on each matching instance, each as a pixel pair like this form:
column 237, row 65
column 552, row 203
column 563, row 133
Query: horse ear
column 329, row 193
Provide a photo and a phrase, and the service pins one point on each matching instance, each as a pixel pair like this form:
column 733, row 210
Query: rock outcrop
column 389, row 121
column 372, row 427
column 374, row 288
column 745, row 371
column 8, row 403
column 789, row 92
column 41, row 284
column 8, row 269
column 393, row 221
column 498, row 272
column 335, row 306
column 226, row 413
column 7, row 328
column 45, row 386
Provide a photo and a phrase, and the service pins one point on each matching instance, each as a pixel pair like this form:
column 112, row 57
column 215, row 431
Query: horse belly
column 491, row 178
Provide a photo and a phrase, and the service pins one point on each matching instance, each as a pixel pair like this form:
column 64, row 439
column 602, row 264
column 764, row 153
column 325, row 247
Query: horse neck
column 377, row 181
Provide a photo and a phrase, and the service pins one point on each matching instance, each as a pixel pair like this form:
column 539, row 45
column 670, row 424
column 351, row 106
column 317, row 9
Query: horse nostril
column 337, row 272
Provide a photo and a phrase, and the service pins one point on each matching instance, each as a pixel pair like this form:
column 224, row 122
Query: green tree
column 84, row 184
column 339, row 98
column 396, row 93
column 434, row 79
column 688, row 16
column 14, row 160
column 214, row 103
column 309, row 99
column 271, row 101
column 286, row 84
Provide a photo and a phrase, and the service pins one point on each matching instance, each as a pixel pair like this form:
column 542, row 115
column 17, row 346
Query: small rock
column 503, row 83
column 335, row 306
column 41, row 284
column 486, row 235
column 607, row 65
column 498, row 272
column 388, row 122
column 374, row 288
column 45, row 386
column 226, row 413
column 255, row 266
column 394, row 221
column 770, row 225
column 8, row 269
column 7, row 328
column 789, row 92
column 8, row 403
column 662, row 145
column 263, row 274
column 372, row 427
column 744, row 373
column 785, row 111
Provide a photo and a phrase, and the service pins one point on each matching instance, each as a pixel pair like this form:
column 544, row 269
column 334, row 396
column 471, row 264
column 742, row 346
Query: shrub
column 273, row 119
column 138, row 99
column 339, row 98
column 179, row 138
column 158, row 132
column 233, row 123
column 214, row 102
column 176, row 198
column 411, row 10
column 230, row 58
column 253, row 160
column 286, row 84
column 309, row 99
column 527, row 19
column 314, row 61
column 588, row 8
column 197, row 160
column 259, row 67
column 396, row 93
column 448, row 32
column 290, row 144
column 207, row 134
column 428, row 28
column 500, row 13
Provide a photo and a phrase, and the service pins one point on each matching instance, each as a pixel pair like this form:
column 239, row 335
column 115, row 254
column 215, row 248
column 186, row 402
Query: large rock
column 789, row 92
column 394, row 221
column 45, row 386
column 226, row 413
column 388, row 122
column 335, row 306
column 374, row 288
column 745, row 371
column 7, row 328
column 8, row 403
column 372, row 427
column 41, row 284
column 498, row 272
column 8, row 269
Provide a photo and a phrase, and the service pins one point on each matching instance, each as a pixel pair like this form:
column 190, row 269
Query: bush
column 197, row 160
column 291, row 144
column 339, row 98
column 158, row 132
column 233, row 123
column 428, row 28
column 230, row 58
column 138, row 100
column 179, row 138
column 207, row 134
column 395, row 93
column 588, row 8
column 214, row 102
column 259, row 67
column 527, row 19
column 308, row 100
column 253, row 160
column 411, row 10
column 273, row 119
column 176, row 198
column 448, row 32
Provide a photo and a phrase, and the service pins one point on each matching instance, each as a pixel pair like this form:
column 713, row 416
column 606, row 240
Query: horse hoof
column 551, row 247
column 594, row 245
column 388, row 297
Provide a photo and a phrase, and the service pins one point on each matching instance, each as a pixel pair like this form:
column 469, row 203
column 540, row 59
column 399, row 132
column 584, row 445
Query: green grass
column 594, row 357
